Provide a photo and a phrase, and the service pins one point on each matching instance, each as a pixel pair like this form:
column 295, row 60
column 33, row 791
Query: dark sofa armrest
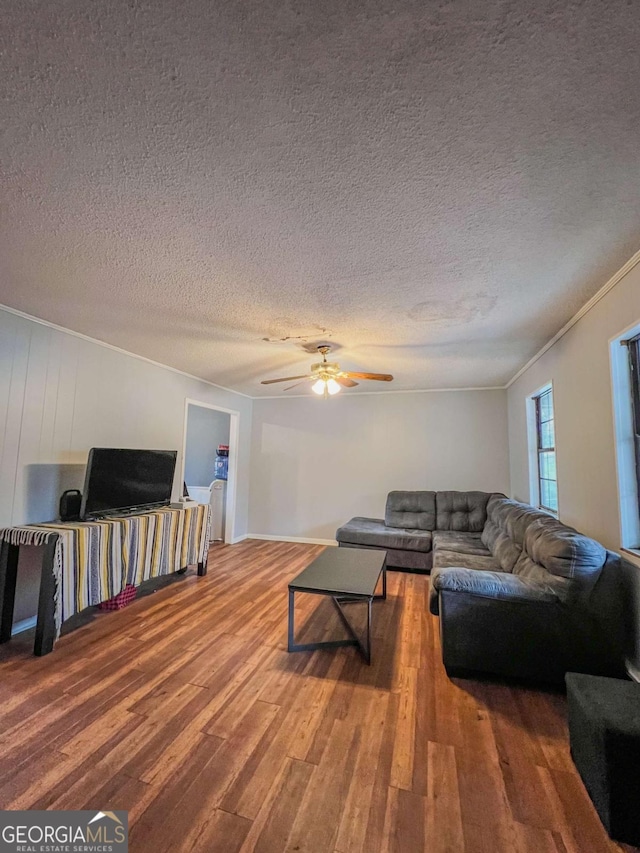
column 500, row 586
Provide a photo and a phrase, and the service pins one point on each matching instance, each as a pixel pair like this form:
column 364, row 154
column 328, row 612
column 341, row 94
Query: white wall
column 206, row 429
column 315, row 463
column 579, row 366
column 60, row 395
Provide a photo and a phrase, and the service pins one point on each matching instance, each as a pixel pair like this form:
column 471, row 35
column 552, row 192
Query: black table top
column 342, row 571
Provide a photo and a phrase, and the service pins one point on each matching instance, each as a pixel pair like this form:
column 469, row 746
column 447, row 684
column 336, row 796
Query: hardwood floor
column 186, row 710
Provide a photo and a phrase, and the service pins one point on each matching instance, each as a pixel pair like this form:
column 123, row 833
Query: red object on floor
column 121, row 600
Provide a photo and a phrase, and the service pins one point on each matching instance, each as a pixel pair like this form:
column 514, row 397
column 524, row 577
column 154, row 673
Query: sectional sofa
column 411, row 521
column 517, row 592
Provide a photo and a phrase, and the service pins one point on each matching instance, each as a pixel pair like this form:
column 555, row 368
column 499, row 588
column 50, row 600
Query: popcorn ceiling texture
column 436, row 187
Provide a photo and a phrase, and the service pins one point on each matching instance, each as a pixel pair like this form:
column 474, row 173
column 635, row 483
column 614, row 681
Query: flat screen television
column 120, row 481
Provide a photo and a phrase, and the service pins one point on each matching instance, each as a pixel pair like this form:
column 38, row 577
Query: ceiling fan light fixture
column 328, row 378
column 325, row 386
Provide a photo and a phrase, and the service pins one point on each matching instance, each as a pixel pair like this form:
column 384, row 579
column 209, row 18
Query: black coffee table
column 344, row 574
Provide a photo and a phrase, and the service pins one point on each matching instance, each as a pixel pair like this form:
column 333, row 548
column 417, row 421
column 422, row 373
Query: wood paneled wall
column 61, row 394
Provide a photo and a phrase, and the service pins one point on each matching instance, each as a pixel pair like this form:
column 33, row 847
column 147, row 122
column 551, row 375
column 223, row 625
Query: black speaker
column 70, row 503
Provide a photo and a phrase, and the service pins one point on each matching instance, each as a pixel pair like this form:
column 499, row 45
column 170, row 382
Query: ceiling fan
column 328, row 378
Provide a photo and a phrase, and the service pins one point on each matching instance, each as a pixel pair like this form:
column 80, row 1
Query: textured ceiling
column 435, row 187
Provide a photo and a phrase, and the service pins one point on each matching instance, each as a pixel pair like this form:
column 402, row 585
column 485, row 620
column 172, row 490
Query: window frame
column 633, row 350
column 537, row 448
column 628, row 485
column 542, row 449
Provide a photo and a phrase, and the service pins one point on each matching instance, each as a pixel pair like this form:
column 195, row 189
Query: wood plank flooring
column 186, row 710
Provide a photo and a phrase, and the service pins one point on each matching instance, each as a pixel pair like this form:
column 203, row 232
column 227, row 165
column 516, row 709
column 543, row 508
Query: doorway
column 205, row 428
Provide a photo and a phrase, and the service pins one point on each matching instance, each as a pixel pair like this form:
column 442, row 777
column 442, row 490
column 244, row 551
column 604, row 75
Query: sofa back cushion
column 553, row 548
column 503, row 534
column 462, row 511
column 411, row 510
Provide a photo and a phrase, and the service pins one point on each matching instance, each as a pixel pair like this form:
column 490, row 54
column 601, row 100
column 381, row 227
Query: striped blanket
column 95, row 560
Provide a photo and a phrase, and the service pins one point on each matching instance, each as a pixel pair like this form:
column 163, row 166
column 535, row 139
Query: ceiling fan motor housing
column 329, row 367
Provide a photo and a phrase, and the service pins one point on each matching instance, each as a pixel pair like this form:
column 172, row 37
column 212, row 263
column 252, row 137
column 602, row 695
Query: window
column 634, row 366
column 625, row 380
column 546, row 452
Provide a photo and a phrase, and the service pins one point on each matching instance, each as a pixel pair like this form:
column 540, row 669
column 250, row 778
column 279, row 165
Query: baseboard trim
column 237, row 539
column 303, row 540
column 24, row 625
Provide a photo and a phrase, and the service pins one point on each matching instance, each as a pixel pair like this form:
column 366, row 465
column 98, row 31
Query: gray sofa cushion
column 512, row 516
column 550, row 546
column 444, row 559
column 487, row 584
column 411, row 510
column 463, row 511
column 373, row 532
column 463, row 543
column 507, row 523
column 526, row 568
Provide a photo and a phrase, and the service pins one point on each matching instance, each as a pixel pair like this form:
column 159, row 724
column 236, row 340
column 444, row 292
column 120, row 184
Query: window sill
column 632, row 555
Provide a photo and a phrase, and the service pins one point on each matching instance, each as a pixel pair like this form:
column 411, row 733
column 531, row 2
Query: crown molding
column 615, row 278
column 385, row 393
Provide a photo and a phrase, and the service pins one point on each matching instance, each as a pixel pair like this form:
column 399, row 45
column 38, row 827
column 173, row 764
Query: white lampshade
column 332, row 386
column 318, row 387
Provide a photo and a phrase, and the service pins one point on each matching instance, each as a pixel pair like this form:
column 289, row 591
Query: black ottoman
column 604, row 730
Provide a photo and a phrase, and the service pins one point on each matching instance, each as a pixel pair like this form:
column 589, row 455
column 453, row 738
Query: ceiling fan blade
column 286, row 379
column 295, row 384
column 381, row 377
column 346, row 382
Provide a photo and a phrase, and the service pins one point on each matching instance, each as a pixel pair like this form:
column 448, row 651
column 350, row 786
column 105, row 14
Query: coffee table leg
column 383, row 596
column 365, row 650
column 291, row 631
column 292, row 646
column 368, row 654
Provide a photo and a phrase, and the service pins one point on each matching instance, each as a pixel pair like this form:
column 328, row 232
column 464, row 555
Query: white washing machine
column 216, row 496
column 200, row 494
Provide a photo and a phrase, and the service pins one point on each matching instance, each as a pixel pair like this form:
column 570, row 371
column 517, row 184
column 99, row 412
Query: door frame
column 232, row 476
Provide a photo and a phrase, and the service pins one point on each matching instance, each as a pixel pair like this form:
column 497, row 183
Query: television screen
column 126, row 480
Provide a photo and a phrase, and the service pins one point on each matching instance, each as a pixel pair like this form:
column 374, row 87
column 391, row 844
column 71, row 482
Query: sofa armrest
column 500, row 586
